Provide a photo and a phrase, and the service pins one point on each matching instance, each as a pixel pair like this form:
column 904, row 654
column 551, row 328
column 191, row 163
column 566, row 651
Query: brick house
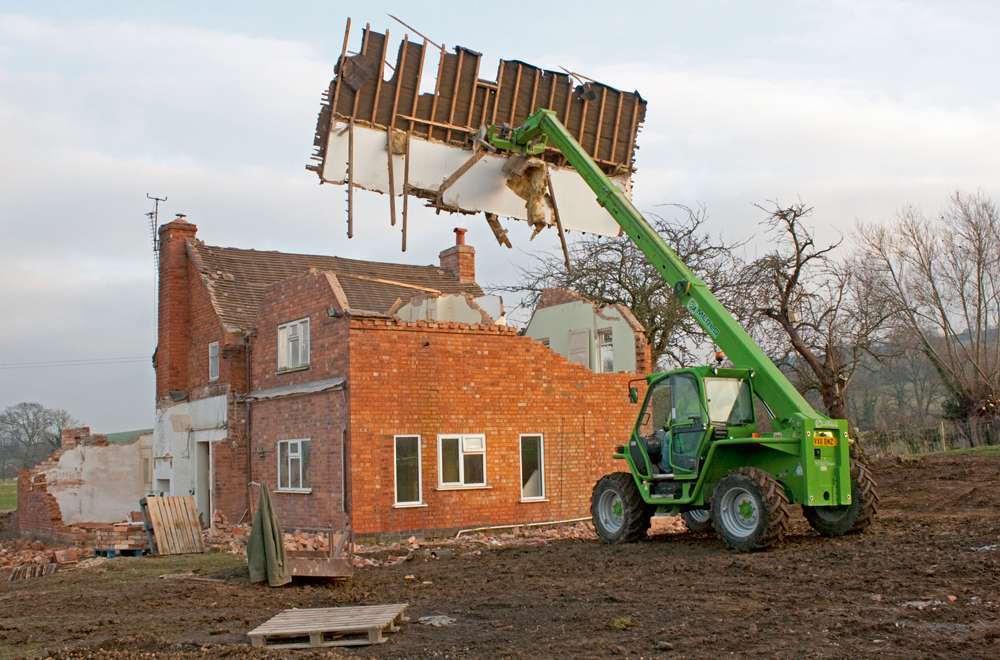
column 384, row 396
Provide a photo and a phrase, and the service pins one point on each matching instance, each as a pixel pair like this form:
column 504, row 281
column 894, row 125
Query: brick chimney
column 460, row 259
column 174, row 332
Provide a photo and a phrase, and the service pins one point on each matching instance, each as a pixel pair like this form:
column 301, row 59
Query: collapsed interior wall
column 384, row 135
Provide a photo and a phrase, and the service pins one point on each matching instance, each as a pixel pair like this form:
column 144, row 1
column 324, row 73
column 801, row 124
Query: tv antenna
column 154, row 220
column 154, row 225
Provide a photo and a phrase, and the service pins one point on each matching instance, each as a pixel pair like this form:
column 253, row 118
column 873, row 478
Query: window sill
column 529, row 500
column 462, row 487
column 409, row 505
column 300, row 491
column 291, row 370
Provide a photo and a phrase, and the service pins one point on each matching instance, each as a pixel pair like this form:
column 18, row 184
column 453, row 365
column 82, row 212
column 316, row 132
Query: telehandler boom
column 698, row 448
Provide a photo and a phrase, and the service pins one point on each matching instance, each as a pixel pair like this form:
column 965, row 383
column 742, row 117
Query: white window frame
column 213, row 361
column 601, row 333
column 460, row 484
column 541, row 465
column 420, row 472
column 302, row 333
column 302, row 468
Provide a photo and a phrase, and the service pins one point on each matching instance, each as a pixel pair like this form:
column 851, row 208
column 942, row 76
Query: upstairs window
column 213, row 361
column 293, row 345
column 461, row 461
column 293, row 465
column 606, row 351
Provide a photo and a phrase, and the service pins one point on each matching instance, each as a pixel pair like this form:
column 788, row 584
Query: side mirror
column 633, row 394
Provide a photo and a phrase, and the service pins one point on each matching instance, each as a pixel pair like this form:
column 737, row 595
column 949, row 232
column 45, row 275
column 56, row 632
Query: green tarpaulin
column 265, row 550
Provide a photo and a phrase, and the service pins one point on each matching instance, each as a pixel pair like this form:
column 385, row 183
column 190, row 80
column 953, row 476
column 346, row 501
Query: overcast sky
column 856, row 108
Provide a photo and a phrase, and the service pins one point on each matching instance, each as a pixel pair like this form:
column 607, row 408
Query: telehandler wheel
column 698, row 520
column 851, row 519
column 750, row 510
column 619, row 514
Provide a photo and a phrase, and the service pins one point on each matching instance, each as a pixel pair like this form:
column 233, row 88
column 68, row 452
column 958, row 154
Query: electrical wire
column 79, row 362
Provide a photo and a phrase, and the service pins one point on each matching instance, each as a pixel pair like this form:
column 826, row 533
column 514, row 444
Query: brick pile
column 23, row 559
column 121, row 536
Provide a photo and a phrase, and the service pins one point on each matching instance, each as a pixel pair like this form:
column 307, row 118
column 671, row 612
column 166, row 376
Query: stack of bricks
column 121, row 536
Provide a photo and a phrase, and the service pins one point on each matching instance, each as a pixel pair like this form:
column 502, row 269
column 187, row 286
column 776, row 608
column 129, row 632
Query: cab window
column 729, row 401
column 686, row 399
column 656, row 416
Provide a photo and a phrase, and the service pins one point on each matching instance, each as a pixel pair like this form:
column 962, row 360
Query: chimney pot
column 460, row 258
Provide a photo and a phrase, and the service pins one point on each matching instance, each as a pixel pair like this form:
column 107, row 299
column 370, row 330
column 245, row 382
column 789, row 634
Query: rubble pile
column 306, row 541
column 23, row 559
column 223, row 536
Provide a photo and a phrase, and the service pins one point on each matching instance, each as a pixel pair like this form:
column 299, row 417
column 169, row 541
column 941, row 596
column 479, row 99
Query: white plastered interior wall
column 177, row 431
column 557, row 322
column 482, row 188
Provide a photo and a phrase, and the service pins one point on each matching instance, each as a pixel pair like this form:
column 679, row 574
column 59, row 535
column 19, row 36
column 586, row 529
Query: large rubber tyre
column 750, row 510
column 851, row 519
column 618, row 511
column 698, row 520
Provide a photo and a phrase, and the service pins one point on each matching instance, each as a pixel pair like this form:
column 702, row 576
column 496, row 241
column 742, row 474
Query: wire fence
column 945, row 436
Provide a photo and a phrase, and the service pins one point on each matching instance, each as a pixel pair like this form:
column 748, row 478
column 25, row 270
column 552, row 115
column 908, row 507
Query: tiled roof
column 238, row 278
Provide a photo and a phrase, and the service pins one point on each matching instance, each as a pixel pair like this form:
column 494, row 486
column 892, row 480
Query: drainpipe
column 249, row 417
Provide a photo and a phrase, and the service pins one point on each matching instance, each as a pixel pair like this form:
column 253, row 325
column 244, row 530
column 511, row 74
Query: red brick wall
column 426, row 379
column 296, row 298
column 38, row 512
column 319, row 417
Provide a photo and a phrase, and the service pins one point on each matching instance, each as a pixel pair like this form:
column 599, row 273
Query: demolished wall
column 86, row 481
column 387, row 136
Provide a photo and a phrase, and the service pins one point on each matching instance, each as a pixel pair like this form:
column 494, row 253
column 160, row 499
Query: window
column 532, row 468
column 408, row 472
column 606, row 351
column 461, row 461
column 293, row 345
column 293, row 466
column 729, row 401
column 213, row 361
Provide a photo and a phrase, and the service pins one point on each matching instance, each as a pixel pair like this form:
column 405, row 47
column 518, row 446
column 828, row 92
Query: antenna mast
column 154, row 225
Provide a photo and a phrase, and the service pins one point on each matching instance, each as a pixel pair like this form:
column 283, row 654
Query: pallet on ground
column 329, row 626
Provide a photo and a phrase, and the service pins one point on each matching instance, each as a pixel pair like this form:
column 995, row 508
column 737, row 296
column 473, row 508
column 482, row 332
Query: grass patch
column 8, row 494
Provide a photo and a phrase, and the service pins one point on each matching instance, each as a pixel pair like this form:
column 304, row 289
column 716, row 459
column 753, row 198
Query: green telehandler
column 698, row 447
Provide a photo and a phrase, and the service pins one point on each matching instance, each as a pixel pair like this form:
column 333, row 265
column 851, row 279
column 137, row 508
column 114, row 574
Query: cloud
column 93, row 114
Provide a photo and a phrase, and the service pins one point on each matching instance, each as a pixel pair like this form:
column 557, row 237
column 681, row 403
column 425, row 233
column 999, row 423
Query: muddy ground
column 925, row 582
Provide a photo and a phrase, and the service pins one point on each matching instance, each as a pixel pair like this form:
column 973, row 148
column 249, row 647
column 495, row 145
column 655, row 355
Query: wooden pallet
column 175, row 524
column 329, row 626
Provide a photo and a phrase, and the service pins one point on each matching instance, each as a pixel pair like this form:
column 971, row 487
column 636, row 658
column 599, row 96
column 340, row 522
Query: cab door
column 688, row 424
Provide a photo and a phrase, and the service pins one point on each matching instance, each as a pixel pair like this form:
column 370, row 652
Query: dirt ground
column 924, row 582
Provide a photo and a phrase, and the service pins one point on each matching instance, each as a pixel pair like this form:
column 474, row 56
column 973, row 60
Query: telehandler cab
column 698, row 447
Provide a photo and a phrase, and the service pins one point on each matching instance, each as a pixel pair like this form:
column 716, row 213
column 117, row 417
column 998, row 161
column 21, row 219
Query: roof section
column 237, row 279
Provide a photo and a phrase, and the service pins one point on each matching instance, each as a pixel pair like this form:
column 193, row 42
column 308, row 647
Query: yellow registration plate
column 825, row 441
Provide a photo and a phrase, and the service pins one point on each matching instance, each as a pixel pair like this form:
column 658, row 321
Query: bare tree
column 30, row 431
column 614, row 271
column 944, row 276
column 830, row 310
